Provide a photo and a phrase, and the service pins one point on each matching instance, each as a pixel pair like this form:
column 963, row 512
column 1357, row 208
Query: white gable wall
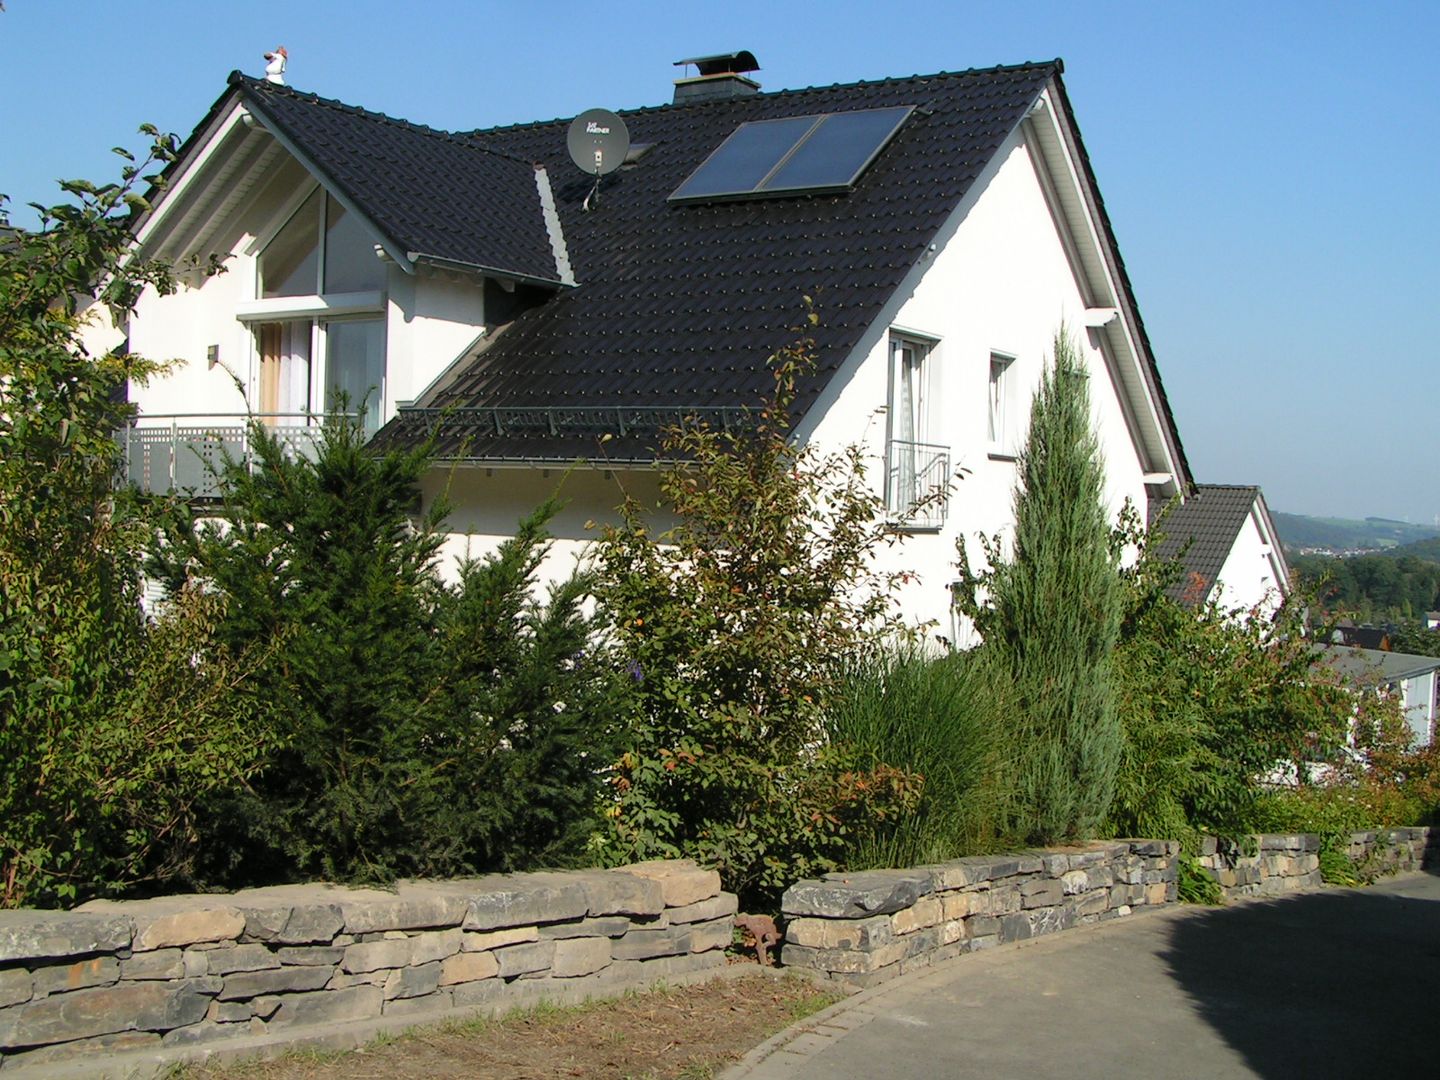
column 1002, row 283
column 1249, row 578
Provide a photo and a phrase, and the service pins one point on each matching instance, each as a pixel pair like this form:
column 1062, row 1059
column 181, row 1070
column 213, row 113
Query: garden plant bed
column 691, row 1031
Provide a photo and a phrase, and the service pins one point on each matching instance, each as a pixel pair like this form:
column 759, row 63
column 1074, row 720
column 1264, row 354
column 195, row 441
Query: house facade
column 1228, row 550
column 479, row 288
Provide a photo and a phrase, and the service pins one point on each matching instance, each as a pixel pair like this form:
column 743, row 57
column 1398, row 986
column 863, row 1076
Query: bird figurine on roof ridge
column 275, row 69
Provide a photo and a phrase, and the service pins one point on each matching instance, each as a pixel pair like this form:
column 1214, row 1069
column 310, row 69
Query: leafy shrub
column 734, row 626
column 1051, row 612
column 112, row 727
column 941, row 719
column 423, row 730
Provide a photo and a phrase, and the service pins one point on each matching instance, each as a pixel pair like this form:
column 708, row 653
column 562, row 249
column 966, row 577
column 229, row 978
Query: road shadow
column 1327, row 984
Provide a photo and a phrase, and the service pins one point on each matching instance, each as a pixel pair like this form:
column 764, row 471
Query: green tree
column 424, row 729
column 111, row 727
column 1051, row 612
column 735, row 627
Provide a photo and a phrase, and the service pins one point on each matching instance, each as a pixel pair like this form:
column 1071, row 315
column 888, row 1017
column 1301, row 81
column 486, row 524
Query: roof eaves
column 443, row 263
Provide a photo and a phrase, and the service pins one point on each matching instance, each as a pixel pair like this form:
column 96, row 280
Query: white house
column 946, row 227
column 1228, row 549
column 1415, row 678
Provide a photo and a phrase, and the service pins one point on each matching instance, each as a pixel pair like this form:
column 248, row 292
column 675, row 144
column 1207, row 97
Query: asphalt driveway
column 1332, row 983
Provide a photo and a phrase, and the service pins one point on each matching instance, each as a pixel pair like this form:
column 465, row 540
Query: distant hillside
column 1346, row 534
column 1428, row 550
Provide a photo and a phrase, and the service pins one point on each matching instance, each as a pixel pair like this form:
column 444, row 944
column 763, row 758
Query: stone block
column 310, row 955
column 609, row 926
column 1156, row 893
column 278, row 980
column 294, row 914
column 927, row 911
column 859, row 934
column 328, row 1006
column 1015, row 927
column 27, row 936
column 83, row 1014
column 65, row 1054
column 1006, row 900
column 498, row 939
column 522, row 959
column 1029, row 864
column 468, row 967
column 160, row 964
column 241, row 958
column 682, row 881
column 854, row 896
column 478, row 993
column 644, row 944
column 1041, row 893
column 847, row 962
column 921, row 942
column 799, row 956
column 617, row 892
column 502, row 902
column 412, row 982
column 1054, row 864
column 580, row 956
column 411, row 907
column 982, row 925
column 956, row 905
column 182, row 928
column 1074, row 881
column 952, row 931
column 97, row 971
column 374, row 955
column 1092, row 902
column 1052, row 920
column 715, row 934
column 717, row 907
column 435, row 945
column 232, row 1012
column 16, row 986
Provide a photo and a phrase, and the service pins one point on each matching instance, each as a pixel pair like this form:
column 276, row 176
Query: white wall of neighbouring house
column 1001, row 284
column 1248, row 580
column 1419, row 703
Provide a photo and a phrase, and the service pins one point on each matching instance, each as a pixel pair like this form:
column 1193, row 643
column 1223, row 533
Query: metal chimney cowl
column 720, row 76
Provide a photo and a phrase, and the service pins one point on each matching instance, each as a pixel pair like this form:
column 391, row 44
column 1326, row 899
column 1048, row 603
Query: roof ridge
column 246, row 82
column 534, row 125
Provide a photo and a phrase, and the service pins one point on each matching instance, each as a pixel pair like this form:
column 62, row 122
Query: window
column 1000, row 423
column 917, row 468
column 322, row 338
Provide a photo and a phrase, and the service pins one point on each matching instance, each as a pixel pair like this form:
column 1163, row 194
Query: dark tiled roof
column 427, row 191
column 681, row 306
column 1208, row 522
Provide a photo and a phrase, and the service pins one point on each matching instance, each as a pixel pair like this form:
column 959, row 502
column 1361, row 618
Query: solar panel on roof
column 799, row 154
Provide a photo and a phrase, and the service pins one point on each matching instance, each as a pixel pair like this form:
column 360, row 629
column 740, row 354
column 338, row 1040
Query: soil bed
column 686, row 1032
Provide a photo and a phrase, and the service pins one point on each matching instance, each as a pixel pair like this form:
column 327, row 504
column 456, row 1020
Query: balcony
column 917, row 483
column 186, row 452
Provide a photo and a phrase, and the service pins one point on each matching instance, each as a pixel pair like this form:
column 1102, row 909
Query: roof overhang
column 220, row 169
column 1111, row 312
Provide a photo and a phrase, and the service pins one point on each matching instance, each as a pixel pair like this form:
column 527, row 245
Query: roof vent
column 721, row 76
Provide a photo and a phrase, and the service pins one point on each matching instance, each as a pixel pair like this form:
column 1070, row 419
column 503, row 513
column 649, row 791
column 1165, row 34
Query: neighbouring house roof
column 1201, row 533
column 676, row 307
column 1388, row 667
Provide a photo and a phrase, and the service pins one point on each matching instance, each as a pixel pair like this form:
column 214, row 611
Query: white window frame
column 319, row 308
column 1000, row 404
column 914, row 462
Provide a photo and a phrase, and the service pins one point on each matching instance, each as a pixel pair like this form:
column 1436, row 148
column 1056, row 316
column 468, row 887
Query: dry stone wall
column 864, row 928
column 187, row 971
column 1276, row 863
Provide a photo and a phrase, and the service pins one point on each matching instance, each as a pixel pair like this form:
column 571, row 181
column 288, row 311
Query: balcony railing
column 186, row 452
column 917, row 483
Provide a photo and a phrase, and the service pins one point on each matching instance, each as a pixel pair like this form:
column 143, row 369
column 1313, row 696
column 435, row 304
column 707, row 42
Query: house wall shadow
column 1339, row 983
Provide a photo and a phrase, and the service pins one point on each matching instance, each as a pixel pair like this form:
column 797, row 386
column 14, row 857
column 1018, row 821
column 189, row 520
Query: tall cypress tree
column 1054, row 616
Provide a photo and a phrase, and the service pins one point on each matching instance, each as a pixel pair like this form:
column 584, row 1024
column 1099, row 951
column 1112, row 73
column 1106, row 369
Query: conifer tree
column 1053, row 615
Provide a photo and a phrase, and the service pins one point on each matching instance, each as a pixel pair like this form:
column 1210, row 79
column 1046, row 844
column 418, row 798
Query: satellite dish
column 598, row 142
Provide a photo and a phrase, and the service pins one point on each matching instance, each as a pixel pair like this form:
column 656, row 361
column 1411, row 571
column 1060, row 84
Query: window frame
column 1000, row 407
column 920, row 420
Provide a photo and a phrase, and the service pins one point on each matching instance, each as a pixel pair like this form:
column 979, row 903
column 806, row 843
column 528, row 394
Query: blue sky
column 1271, row 169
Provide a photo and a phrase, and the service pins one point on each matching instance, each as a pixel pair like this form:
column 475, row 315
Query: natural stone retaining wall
column 1275, row 863
column 186, row 970
column 866, row 927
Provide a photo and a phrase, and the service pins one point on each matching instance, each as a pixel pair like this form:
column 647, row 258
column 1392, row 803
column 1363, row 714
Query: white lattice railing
column 186, row 452
column 917, row 483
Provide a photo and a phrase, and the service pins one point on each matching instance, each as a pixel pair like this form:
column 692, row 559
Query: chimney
column 721, row 76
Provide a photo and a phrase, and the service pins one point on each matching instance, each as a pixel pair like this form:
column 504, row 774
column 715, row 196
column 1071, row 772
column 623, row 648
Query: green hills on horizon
column 1341, row 535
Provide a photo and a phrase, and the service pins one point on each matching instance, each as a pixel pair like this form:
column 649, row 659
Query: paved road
column 1333, row 983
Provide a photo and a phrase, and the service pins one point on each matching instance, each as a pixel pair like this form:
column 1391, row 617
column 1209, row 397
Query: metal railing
column 917, row 483
column 187, row 452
